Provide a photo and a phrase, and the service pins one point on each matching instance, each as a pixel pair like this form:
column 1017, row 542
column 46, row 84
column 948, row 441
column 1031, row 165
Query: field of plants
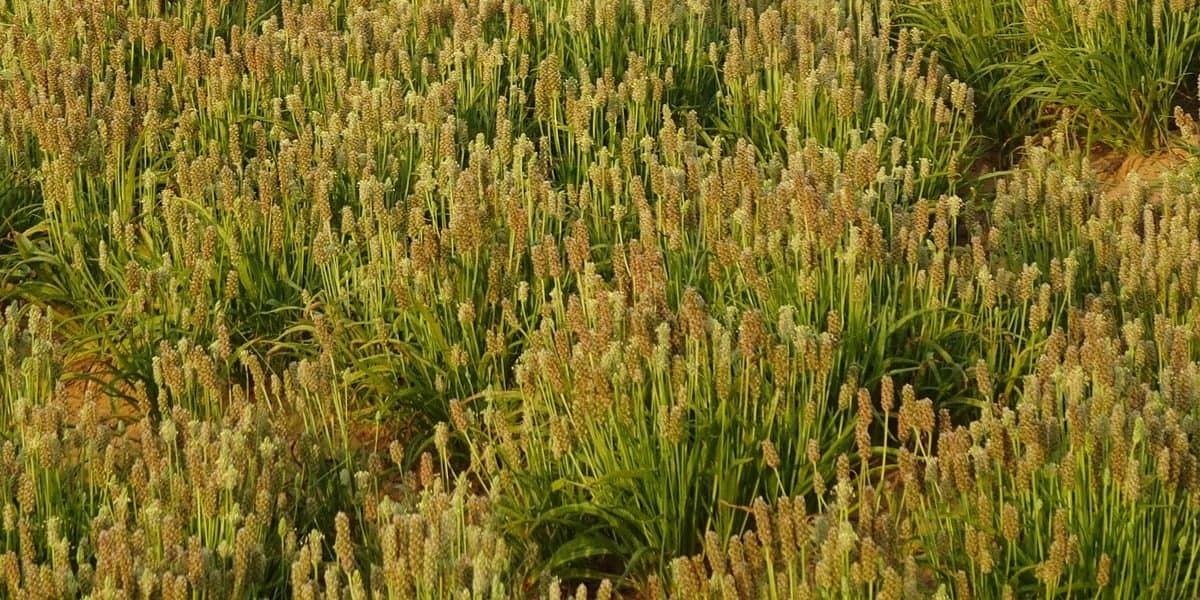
column 491, row 299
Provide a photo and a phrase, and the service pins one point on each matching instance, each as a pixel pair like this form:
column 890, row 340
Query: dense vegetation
column 532, row 298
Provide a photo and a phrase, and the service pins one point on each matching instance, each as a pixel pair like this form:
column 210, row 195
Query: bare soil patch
column 1119, row 172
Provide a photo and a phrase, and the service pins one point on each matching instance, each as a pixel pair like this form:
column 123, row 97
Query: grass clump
column 1118, row 67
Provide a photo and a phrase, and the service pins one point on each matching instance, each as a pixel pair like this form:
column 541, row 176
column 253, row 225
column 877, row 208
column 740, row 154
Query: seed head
column 1102, row 570
column 770, row 456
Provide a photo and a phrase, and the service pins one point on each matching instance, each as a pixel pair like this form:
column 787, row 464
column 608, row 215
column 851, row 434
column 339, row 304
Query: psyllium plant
column 649, row 410
column 1051, row 498
column 439, row 545
column 228, row 504
column 506, row 298
column 843, row 74
column 1094, row 424
column 1057, row 496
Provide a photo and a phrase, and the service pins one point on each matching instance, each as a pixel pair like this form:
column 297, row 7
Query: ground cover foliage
column 640, row 298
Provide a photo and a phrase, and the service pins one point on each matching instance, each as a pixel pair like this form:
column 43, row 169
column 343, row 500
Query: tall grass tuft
column 1117, row 67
